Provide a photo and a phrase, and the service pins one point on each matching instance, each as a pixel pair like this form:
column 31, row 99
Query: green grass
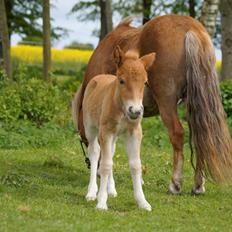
column 43, row 189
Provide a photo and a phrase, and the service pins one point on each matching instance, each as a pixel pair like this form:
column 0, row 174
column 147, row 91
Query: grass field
column 43, row 189
column 43, row 177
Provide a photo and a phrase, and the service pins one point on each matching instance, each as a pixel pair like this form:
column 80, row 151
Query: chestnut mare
column 184, row 69
column 112, row 105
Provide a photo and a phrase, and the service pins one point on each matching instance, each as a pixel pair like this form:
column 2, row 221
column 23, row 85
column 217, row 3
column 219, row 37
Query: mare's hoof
column 174, row 188
column 198, row 191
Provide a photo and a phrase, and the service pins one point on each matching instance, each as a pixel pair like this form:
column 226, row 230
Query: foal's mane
column 132, row 54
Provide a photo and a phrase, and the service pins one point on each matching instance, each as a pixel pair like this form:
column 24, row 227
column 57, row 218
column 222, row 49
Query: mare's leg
column 199, row 180
column 111, row 184
column 133, row 142
column 105, row 168
column 168, row 112
column 93, row 153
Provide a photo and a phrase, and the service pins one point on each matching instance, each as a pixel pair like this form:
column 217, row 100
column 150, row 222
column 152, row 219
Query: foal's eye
column 122, row 82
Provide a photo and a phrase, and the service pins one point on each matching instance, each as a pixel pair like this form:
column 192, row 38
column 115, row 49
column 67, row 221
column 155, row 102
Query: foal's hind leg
column 94, row 153
column 105, row 168
column 176, row 134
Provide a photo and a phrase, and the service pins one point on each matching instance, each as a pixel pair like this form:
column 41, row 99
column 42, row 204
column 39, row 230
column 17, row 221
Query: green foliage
column 10, row 103
column 40, row 101
column 23, row 19
column 91, row 9
column 226, row 92
column 31, row 99
column 32, row 40
column 81, row 46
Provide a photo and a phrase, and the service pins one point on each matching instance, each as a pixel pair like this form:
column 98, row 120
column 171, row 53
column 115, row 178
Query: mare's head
column 132, row 76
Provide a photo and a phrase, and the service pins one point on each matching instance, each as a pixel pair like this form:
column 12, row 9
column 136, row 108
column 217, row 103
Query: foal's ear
column 148, row 60
column 119, row 56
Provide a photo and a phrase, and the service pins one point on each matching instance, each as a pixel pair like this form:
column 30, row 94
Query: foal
column 112, row 105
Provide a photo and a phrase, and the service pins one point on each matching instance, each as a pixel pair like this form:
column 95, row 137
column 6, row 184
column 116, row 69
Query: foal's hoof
column 145, row 205
column 112, row 192
column 102, row 206
column 198, row 191
column 91, row 196
column 174, row 188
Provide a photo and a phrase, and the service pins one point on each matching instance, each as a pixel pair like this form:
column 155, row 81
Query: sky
column 80, row 31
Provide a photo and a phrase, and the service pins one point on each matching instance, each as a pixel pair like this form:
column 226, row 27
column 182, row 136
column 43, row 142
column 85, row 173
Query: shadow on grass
column 59, row 184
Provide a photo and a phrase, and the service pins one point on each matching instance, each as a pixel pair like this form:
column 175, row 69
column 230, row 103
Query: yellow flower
column 33, row 54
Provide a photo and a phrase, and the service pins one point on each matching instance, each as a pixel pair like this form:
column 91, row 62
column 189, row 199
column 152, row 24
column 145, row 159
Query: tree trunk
column 1, row 51
column 192, row 11
column 146, row 10
column 5, row 39
column 106, row 18
column 46, row 40
column 226, row 28
column 209, row 13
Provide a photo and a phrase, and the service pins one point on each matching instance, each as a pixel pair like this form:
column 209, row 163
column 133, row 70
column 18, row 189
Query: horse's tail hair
column 206, row 118
column 76, row 104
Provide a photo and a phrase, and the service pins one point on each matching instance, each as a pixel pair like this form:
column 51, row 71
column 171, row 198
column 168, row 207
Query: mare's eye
column 122, row 82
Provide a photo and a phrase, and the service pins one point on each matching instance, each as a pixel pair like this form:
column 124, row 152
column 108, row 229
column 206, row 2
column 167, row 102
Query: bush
column 30, row 98
column 226, row 92
column 40, row 102
column 10, row 103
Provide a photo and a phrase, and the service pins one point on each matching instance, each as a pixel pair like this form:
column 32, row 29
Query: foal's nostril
column 130, row 109
column 137, row 112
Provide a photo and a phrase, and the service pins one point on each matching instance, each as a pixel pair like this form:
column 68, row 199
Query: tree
column 209, row 14
column 146, row 10
column 106, row 18
column 226, row 31
column 5, row 39
column 94, row 10
column 192, row 11
column 77, row 45
column 46, row 40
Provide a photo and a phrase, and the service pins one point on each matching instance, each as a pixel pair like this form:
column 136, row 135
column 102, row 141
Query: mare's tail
column 208, row 129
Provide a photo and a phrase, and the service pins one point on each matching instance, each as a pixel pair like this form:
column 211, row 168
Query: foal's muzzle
column 135, row 112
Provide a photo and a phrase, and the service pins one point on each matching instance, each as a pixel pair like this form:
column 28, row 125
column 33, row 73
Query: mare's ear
column 119, row 56
column 148, row 60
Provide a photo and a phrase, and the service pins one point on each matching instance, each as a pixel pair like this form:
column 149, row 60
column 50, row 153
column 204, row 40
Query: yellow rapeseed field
column 33, row 54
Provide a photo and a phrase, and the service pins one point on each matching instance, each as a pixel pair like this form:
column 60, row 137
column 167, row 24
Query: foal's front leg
column 133, row 142
column 105, row 168
column 111, row 183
